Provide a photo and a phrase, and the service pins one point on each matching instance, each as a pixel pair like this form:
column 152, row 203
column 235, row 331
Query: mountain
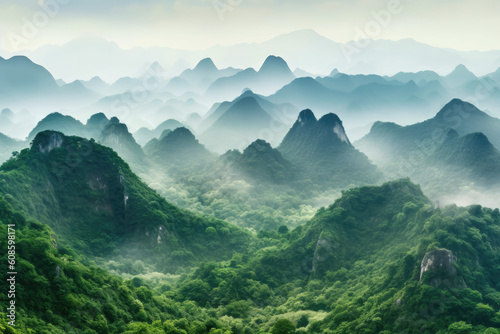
column 275, row 73
column 8, row 146
column 77, row 93
column 62, row 123
column 309, row 93
column 472, row 156
column 144, row 135
column 199, row 78
column 95, row 124
column 347, row 83
column 358, row 98
column 6, row 119
column 272, row 75
column 116, row 136
column 178, row 147
column 323, row 151
column 89, row 57
column 418, row 77
column 65, row 281
column 96, row 84
column 282, row 113
column 388, row 142
column 243, row 122
column 259, row 162
column 20, row 77
column 125, row 84
column 459, row 76
column 378, row 260
column 91, row 198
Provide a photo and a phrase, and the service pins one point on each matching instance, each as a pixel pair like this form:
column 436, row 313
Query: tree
column 283, row 326
column 283, row 229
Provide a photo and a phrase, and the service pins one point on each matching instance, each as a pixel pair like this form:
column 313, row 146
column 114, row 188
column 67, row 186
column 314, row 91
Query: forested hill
column 89, row 196
column 380, row 260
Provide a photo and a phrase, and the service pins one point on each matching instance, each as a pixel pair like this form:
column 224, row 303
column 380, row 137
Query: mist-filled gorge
column 232, row 167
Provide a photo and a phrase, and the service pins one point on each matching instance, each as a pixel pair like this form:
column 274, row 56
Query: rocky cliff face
column 48, row 141
column 438, row 270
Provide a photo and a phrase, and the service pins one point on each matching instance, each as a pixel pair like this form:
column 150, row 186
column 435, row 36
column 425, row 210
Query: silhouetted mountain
column 239, row 125
column 77, row 93
column 62, row 123
column 418, row 77
column 308, row 93
column 199, row 78
column 280, row 112
column 8, row 146
column 116, row 136
column 346, row 83
column 459, row 76
column 388, row 142
column 177, row 147
column 20, row 77
column 96, row 84
column 472, row 155
column 6, row 119
column 259, row 162
column 125, row 84
column 144, row 135
column 276, row 69
column 324, row 153
column 273, row 74
column 95, row 124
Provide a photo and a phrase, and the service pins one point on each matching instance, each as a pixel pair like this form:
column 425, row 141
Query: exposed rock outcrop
column 438, row 270
column 46, row 141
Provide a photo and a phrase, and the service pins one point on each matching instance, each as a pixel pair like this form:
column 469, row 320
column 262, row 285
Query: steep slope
column 280, row 112
column 324, row 153
column 273, row 74
column 95, row 124
column 259, row 162
column 89, row 196
column 309, row 93
column 116, row 136
column 177, row 147
column 144, row 135
column 388, row 142
column 379, row 260
column 8, row 146
column 459, row 76
column 62, row 123
column 238, row 126
column 199, row 78
column 19, row 76
column 73, row 295
column 471, row 156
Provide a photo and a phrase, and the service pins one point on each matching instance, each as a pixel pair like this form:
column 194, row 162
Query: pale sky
column 197, row 24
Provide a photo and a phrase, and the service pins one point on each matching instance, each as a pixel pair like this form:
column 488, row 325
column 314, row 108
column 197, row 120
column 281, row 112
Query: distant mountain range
column 90, row 57
column 452, row 153
column 145, row 101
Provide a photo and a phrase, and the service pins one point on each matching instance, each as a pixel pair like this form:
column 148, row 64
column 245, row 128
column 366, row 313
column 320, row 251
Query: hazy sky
column 198, row 24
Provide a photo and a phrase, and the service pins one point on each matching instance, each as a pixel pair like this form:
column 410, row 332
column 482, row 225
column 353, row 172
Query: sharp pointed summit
column 322, row 149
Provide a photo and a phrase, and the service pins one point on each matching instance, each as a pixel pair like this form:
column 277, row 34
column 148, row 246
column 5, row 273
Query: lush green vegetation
column 59, row 291
column 101, row 252
column 354, row 268
column 88, row 195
